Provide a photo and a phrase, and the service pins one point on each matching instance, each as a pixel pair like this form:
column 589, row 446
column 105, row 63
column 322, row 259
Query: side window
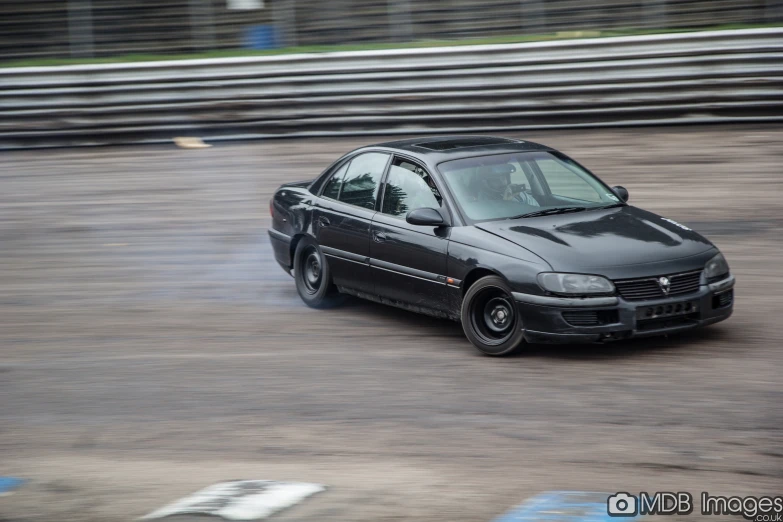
column 409, row 187
column 566, row 183
column 335, row 183
column 363, row 179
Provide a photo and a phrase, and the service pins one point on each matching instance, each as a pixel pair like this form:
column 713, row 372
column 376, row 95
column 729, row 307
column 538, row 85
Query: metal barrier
column 682, row 78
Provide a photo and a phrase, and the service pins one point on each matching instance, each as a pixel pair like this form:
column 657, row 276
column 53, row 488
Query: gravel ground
column 151, row 346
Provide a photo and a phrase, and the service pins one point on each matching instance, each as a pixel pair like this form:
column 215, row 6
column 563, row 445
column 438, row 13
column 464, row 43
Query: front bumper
column 565, row 320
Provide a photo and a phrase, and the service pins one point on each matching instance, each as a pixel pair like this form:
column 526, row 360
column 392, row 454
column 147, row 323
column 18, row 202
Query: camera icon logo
column 622, row 505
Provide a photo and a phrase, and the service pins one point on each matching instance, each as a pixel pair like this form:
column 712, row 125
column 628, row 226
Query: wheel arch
column 476, row 274
column 295, row 239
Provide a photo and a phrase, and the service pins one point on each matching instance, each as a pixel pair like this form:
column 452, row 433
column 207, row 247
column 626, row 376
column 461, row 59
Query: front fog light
column 716, row 267
column 577, row 284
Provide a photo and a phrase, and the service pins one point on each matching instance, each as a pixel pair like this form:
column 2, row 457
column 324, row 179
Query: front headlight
column 716, row 267
column 575, row 283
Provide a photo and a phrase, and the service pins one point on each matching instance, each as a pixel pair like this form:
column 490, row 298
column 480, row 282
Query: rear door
column 408, row 262
column 342, row 218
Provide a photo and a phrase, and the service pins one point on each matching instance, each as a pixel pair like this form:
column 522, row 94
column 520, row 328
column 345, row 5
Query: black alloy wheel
column 312, row 276
column 490, row 318
column 312, row 269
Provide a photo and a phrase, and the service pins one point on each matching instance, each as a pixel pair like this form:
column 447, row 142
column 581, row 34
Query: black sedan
column 514, row 239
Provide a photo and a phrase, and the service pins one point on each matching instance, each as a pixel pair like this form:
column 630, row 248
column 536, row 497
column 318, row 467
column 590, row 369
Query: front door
column 408, row 262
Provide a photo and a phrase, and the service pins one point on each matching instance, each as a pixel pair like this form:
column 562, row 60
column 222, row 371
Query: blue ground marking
column 9, row 483
column 562, row 506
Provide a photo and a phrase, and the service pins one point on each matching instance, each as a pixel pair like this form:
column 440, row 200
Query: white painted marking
column 240, row 499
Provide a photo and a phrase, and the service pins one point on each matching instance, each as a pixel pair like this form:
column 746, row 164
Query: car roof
column 444, row 148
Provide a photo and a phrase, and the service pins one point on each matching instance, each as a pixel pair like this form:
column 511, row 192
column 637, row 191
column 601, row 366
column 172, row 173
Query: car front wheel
column 312, row 276
column 490, row 318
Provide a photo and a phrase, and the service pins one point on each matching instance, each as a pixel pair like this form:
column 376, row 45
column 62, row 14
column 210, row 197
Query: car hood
column 618, row 242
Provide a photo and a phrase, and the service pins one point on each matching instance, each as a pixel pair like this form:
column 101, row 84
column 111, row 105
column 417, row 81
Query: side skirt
column 398, row 304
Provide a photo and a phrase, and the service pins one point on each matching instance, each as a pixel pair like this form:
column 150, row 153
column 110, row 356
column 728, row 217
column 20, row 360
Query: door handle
column 323, row 222
column 378, row 237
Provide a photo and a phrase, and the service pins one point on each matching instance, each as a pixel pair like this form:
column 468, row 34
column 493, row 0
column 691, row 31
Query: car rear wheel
column 312, row 276
column 490, row 318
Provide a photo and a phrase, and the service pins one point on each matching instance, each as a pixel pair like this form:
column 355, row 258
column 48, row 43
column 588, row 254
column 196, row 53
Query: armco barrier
column 701, row 77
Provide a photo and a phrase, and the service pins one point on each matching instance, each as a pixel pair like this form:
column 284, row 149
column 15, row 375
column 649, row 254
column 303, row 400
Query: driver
column 495, row 184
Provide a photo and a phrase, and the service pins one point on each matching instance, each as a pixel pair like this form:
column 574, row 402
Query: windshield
column 514, row 185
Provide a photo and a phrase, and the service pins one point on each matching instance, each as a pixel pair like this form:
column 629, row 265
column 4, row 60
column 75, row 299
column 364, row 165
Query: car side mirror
column 426, row 217
column 621, row 191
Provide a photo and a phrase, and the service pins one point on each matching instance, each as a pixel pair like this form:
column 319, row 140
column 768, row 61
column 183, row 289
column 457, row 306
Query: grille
column 648, row 288
column 591, row 317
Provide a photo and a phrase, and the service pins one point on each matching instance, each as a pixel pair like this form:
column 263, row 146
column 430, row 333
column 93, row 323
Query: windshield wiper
column 550, row 212
column 613, row 205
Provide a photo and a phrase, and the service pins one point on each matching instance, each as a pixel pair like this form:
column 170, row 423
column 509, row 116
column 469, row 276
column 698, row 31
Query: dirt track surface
column 151, row 347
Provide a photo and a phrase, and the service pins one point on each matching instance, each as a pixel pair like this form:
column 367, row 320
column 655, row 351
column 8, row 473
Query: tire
column 312, row 276
column 490, row 317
